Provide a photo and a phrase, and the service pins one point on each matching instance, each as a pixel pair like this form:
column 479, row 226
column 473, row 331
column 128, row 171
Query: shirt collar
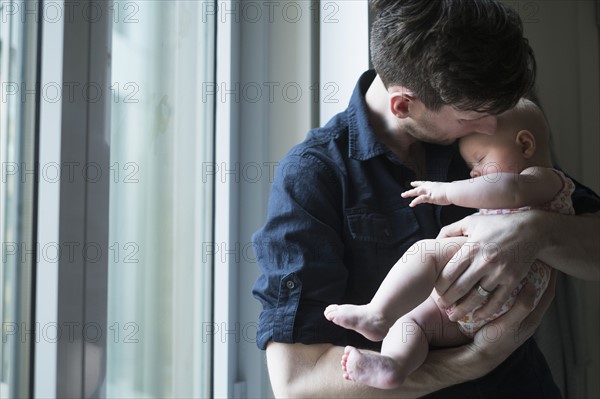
column 363, row 142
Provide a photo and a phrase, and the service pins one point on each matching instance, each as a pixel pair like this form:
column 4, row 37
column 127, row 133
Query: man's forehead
column 471, row 114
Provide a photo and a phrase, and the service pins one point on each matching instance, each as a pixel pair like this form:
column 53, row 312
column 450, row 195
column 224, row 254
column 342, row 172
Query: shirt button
column 290, row 284
column 386, row 232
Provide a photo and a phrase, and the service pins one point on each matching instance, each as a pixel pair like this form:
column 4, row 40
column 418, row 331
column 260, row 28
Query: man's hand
column 497, row 255
column 513, row 328
column 427, row 192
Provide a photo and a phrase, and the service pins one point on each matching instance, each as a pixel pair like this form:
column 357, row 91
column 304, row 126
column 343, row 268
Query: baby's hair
column 526, row 115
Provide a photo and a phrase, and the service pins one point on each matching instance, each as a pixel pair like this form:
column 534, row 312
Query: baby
column 511, row 171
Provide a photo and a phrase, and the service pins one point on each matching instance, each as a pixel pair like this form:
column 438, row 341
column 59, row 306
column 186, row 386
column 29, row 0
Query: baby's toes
column 344, row 361
column 330, row 311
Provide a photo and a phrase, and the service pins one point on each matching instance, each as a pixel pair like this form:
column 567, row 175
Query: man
column 336, row 221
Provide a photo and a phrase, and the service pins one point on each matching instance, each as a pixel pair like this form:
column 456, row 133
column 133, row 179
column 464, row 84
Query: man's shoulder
column 328, row 144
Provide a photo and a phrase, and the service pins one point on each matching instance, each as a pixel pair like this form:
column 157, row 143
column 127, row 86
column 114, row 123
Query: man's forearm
column 571, row 244
column 313, row 371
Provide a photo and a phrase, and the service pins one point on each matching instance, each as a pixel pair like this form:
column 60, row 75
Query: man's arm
column 509, row 245
column 533, row 186
column 313, row 371
column 572, row 244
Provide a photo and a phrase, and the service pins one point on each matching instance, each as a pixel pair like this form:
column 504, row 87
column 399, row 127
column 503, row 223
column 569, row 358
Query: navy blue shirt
column 336, row 224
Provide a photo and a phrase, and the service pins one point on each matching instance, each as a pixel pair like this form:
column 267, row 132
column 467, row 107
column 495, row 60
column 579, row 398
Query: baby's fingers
column 417, row 183
column 419, row 200
column 410, row 193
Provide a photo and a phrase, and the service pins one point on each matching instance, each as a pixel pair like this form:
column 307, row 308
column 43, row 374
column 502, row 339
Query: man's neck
column 389, row 129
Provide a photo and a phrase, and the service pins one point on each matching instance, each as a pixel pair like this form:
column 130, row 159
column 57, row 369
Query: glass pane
column 17, row 121
column 160, row 205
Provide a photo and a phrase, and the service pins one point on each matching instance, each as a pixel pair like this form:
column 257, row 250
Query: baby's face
column 487, row 154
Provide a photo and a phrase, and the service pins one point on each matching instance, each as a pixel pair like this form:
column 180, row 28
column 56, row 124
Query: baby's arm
column 533, row 186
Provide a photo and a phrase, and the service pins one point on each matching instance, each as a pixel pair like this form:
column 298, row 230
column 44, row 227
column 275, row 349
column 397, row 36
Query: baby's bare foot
column 371, row 369
column 360, row 319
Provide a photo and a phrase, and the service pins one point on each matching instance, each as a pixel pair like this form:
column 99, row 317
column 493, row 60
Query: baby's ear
column 526, row 141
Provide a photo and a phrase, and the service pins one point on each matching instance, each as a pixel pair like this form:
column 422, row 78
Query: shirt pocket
column 376, row 241
column 385, row 228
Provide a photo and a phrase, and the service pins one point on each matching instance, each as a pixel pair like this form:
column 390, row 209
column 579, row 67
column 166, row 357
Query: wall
column 565, row 37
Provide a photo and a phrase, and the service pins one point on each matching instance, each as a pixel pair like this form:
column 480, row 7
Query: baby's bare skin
column 360, row 318
column 372, row 369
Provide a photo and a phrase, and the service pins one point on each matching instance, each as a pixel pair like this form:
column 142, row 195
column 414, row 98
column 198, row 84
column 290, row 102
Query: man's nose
column 475, row 173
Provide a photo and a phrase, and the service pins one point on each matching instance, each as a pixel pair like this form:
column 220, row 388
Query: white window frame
column 49, row 202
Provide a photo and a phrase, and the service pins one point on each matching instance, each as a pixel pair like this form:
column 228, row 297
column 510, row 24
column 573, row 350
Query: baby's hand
column 427, row 192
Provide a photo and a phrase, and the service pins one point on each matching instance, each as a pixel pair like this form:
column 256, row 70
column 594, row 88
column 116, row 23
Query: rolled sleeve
column 300, row 254
column 584, row 199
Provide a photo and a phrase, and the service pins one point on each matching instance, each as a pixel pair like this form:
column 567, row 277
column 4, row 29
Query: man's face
column 447, row 124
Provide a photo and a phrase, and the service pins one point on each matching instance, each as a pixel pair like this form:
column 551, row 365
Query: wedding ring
column 483, row 292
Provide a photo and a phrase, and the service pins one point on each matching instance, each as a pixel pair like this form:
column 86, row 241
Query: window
column 18, row 64
column 159, row 295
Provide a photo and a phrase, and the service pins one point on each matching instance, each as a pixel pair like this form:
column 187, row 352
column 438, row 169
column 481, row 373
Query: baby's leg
column 444, row 333
column 404, row 349
column 407, row 285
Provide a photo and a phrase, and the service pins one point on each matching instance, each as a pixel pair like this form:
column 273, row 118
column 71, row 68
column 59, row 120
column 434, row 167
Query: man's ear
column 526, row 140
column 401, row 100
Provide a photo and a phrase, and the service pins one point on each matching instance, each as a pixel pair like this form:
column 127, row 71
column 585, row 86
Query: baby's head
column 521, row 140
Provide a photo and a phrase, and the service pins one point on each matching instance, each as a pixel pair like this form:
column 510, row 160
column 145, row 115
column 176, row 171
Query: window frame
column 46, row 295
column 83, row 214
column 28, row 33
